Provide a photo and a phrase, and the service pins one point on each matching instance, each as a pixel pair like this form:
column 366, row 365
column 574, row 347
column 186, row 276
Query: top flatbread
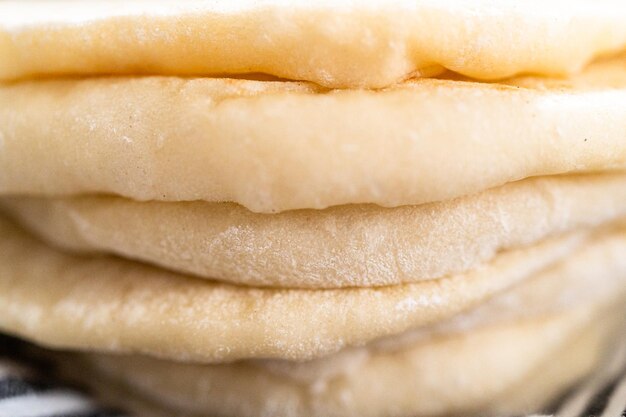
column 345, row 43
column 274, row 146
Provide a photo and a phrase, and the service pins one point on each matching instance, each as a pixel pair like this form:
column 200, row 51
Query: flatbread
column 347, row 246
column 508, row 369
column 508, row 356
column 274, row 146
column 109, row 304
column 539, row 389
column 346, row 43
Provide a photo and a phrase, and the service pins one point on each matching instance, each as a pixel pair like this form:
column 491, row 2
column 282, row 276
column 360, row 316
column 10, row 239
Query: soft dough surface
column 273, row 146
column 508, row 369
column 509, row 355
column 111, row 304
column 347, row 43
column 347, row 246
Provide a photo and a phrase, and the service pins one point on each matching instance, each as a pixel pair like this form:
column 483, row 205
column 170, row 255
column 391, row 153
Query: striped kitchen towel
column 27, row 388
column 25, row 394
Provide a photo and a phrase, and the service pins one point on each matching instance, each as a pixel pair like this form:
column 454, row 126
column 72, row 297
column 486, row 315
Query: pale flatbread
column 508, row 369
column 507, row 356
column 110, row 304
column 273, row 146
column 354, row 246
column 346, row 43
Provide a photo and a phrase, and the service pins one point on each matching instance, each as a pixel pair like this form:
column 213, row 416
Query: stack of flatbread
column 333, row 208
